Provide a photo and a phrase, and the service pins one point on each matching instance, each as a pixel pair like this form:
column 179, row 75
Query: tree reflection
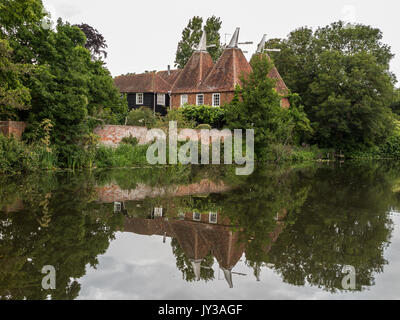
column 344, row 221
column 59, row 226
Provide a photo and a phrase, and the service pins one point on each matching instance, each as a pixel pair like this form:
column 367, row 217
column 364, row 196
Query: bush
column 16, row 156
column 213, row 116
column 178, row 116
column 204, row 126
column 133, row 141
column 143, row 117
column 123, row 156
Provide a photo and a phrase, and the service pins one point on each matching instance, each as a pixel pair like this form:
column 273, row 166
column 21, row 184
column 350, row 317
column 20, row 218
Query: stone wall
column 15, row 128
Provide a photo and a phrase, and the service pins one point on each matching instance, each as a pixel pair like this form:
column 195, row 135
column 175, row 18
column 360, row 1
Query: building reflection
column 199, row 235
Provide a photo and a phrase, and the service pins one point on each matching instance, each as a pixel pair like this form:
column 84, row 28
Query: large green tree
column 342, row 75
column 257, row 105
column 191, row 37
column 69, row 87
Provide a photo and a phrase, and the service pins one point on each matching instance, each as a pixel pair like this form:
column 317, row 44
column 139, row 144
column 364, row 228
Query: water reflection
column 305, row 223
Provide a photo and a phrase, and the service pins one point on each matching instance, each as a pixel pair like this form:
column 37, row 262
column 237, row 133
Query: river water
column 305, row 231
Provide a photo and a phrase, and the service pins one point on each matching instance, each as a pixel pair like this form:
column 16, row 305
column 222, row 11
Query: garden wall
column 112, row 135
column 15, row 128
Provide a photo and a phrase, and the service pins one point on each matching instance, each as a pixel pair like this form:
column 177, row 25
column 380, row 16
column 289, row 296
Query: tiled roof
column 145, row 82
column 195, row 71
column 171, row 78
column 226, row 73
column 280, row 84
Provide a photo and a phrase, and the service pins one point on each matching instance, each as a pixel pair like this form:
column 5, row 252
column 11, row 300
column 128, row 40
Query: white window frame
column 219, row 99
column 197, row 99
column 161, row 99
column 139, row 101
column 181, row 215
column 213, row 217
column 196, row 216
column 184, row 97
column 117, row 206
column 158, row 212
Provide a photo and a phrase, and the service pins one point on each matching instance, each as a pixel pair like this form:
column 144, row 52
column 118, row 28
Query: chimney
column 169, row 70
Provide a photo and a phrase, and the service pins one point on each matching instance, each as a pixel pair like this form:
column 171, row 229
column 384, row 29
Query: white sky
column 143, row 35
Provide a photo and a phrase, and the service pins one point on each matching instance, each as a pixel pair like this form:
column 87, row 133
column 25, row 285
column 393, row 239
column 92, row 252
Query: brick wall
column 112, row 135
column 15, row 128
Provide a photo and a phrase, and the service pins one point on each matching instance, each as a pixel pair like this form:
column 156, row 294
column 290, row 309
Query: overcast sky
column 143, row 35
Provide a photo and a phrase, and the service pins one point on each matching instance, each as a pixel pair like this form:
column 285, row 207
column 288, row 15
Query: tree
column 68, row 87
column 342, row 75
column 191, row 37
column 257, row 105
column 72, row 90
column 14, row 96
column 212, row 28
column 95, row 41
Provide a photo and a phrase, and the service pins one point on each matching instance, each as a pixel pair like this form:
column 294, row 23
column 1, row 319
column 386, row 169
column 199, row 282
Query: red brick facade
column 225, row 97
column 12, row 128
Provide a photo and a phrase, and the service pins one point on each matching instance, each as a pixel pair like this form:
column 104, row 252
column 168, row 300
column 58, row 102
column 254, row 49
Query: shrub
column 123, row 156
column 143, row 116
column 204, row 126
column 178, row 116
column 213, row 116
column 133, row 141
column 16, row 156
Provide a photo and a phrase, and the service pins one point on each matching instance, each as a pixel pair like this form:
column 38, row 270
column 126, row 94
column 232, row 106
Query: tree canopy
column 191, row 37
column 68, row 87
column 342, row 75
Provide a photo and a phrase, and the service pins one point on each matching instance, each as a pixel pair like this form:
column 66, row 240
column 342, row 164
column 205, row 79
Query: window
column 196, row 216
column 158, row 212
column 117, row 206
column 216, row 101
column 200, row 99
column 213, row 217
column 161, row 99
column 184, row 99
column 181, row 215
column 139, row 98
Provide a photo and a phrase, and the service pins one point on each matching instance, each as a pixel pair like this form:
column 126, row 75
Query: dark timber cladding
column 148, row 89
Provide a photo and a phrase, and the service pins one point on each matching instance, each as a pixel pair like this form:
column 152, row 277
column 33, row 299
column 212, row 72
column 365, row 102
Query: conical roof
column 195, row 71
column 227, row 72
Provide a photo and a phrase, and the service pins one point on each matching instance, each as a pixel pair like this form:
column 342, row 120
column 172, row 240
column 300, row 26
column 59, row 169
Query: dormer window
column 139, row 98
column 200, row 99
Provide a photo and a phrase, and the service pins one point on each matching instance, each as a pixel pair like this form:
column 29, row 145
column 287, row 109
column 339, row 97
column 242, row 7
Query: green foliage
column 213, row 116
column 15, row 156
column 204, row 126
column 14, row 96
column 177, row 116
column 60, row 225
column 343, row 77
column 133, row 141
column 191, row 37
column 143, row 117
column 260, row 109
column 125, row 155
column 68, row 87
